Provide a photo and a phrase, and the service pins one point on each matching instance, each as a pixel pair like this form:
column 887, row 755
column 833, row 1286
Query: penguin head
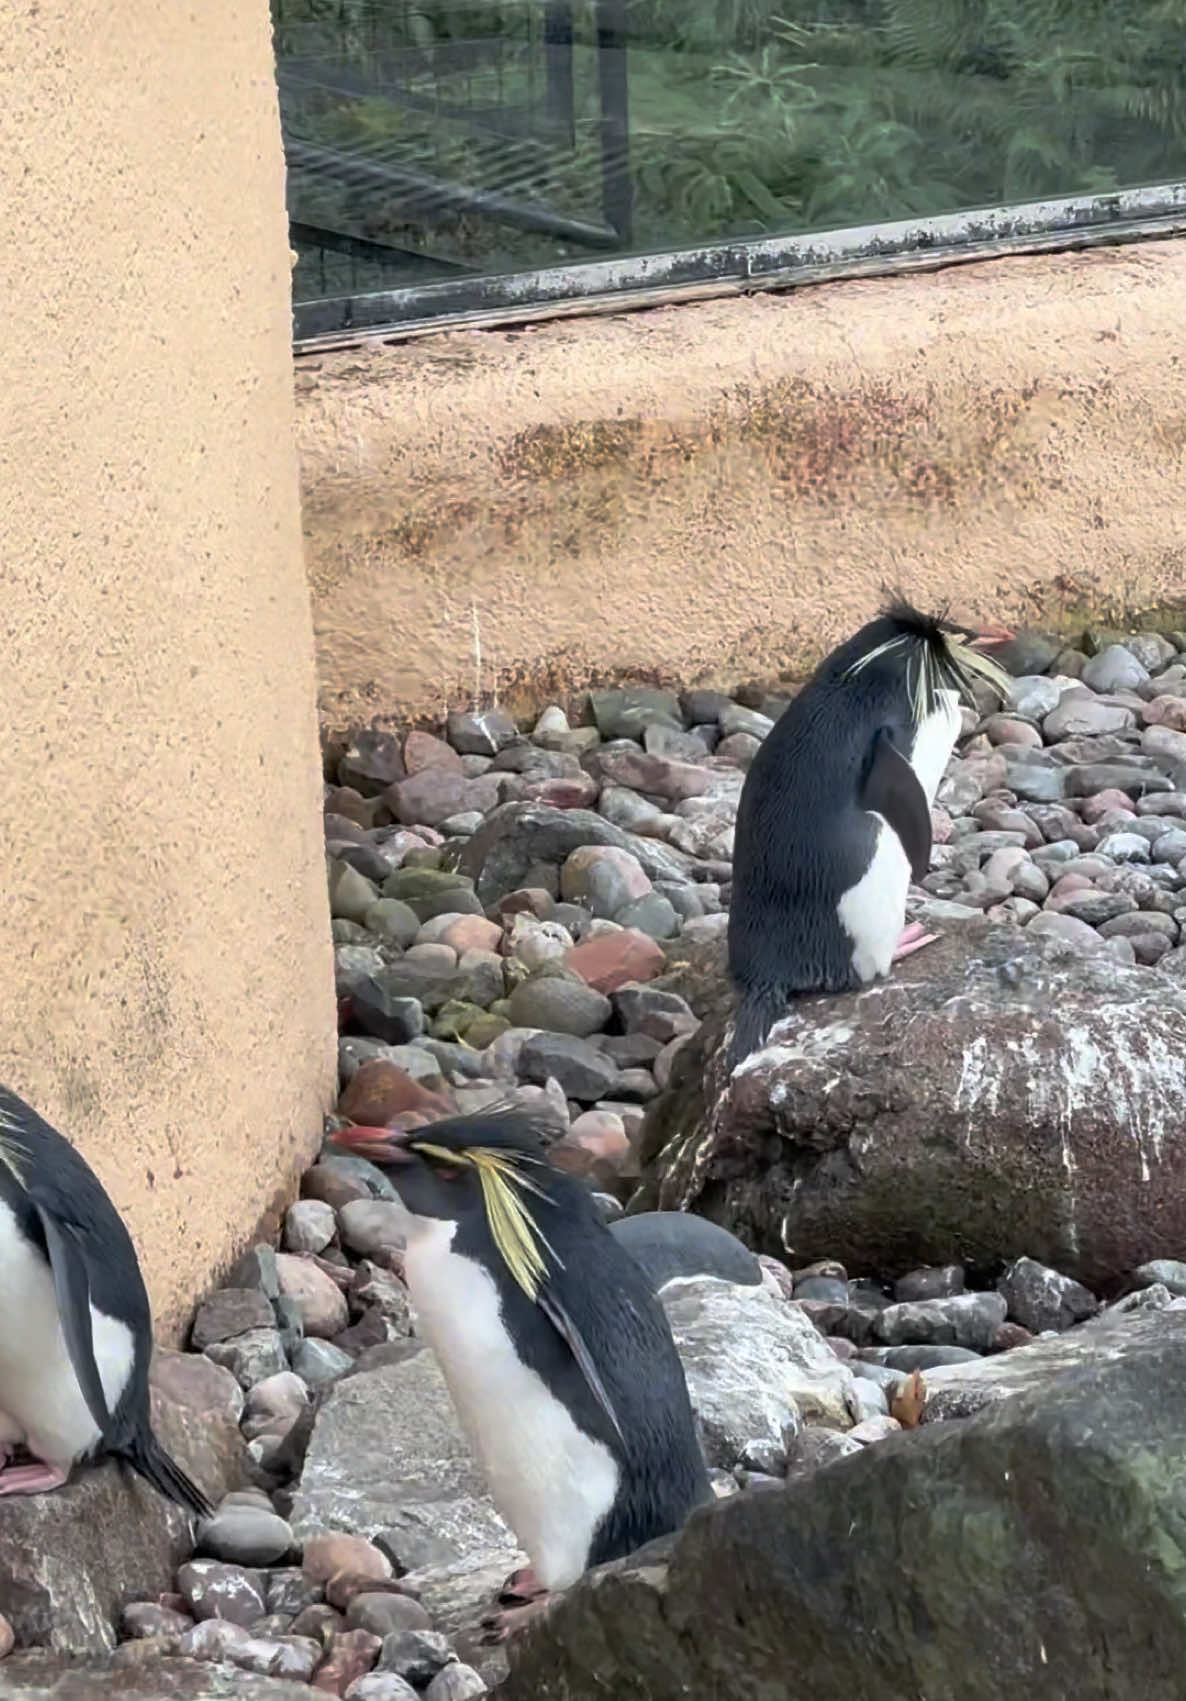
column 924, row 663
column 489, row 1172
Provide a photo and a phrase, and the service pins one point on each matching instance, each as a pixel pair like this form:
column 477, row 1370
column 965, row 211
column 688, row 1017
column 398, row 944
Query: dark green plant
column 758, row 115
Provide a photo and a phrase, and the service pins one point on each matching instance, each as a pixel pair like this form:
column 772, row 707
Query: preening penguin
column 555, row 1349
column 835, row 814
column 75, row 1323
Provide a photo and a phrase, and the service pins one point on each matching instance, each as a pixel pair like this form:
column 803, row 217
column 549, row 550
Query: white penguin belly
column 873, row 911
column 39, row 1392
column 550, row 1481
column 934, row 741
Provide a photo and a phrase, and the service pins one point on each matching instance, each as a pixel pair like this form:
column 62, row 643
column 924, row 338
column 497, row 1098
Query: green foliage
column 758, row 115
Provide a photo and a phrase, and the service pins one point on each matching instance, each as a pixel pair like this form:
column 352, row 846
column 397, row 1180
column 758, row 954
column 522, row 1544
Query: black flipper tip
column 149, row 1459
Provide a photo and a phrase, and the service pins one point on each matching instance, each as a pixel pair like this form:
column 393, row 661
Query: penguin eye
column 447, row 1172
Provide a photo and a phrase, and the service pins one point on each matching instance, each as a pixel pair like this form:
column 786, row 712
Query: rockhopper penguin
column 75, row 1324
column 557, row 1353
column 835, row 815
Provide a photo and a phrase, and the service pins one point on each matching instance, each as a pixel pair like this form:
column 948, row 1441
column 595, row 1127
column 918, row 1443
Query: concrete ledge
column 718, row 491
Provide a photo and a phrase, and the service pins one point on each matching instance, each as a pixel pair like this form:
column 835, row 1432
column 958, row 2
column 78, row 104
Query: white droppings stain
column 796, row 1044
column 1131, row 1078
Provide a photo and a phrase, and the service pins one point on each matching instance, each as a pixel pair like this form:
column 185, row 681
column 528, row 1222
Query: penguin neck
column 934, row 741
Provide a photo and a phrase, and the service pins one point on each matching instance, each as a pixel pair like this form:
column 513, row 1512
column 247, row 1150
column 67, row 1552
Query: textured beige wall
column 165, row 975
column 718, row 491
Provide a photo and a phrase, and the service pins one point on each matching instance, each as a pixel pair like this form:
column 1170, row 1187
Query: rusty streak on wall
column 165, row 964
column 716, row 492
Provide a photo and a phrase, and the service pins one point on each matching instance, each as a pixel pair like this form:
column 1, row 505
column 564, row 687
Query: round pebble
column 245, row 1535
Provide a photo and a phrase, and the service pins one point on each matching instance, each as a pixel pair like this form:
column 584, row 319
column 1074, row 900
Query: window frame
column 739, row 267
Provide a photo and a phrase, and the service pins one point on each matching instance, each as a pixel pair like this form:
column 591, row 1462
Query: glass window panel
column 430, row 140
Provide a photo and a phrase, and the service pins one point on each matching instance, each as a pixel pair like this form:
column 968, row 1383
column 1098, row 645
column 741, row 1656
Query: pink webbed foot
column 501, row 1626
column 912, row 938
column 36, row 1478
column 521, row 1585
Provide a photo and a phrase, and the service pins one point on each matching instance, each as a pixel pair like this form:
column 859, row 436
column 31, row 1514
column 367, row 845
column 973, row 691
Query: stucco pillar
column 166, row 985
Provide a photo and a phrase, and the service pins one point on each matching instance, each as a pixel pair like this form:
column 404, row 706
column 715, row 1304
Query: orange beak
column 380, row 1145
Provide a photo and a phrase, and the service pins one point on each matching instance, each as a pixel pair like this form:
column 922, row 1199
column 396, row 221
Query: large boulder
column 54, row 1677
column 1030, row 1553
column 998, row 1096
column 69, row 1560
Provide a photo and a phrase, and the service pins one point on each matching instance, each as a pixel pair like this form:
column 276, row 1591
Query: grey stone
column 212, row 1589
column 1114, row 669
column 387, row 1461
column 392, row 919
column 371, row 762
column 246, row 1535
column 415, row 1655
column 483, row 734
column 817, row 1446
column 751, row 1584
column 1080, row 712
column 229, row 1312
column 584, row 1073
column 385, row 1614
column 735, row 718
column 964, row 1320
column 320, row 1362
column 756, row 1370
column 366, row 1175
column 290, row 1591
column 1034, row 695
column 309, row 1226
column 656, row 916
column 351, row 894
column 1068, row 931
column 354, row 964
column 392, row 1016
column 908, row 1359
column 560, row 1004
column 860, row 1131
column 1170, row 1273
column 1039, row 1298
column 251, row 1356
column 626, row 711
column 380, row 1686
column 1125, row 847
column 937, row 1282
column 517, row 836
column 962, row 1390
column 456, row 1683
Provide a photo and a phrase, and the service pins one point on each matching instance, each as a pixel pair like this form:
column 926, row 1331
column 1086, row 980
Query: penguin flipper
column 150, row 1460
column 562, row 1322
column 893, row 790
column 72, row 1289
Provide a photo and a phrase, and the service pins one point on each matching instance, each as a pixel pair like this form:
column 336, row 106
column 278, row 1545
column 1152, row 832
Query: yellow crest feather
column 516, row 1233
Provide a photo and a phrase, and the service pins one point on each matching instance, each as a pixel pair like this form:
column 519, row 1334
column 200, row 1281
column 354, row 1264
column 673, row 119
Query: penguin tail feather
column 149, row 1459
column 758, row 1008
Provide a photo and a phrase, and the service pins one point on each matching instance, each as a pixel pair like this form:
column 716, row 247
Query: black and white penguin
column 75, row 1323
column 556, row 1352
column 835, row 815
